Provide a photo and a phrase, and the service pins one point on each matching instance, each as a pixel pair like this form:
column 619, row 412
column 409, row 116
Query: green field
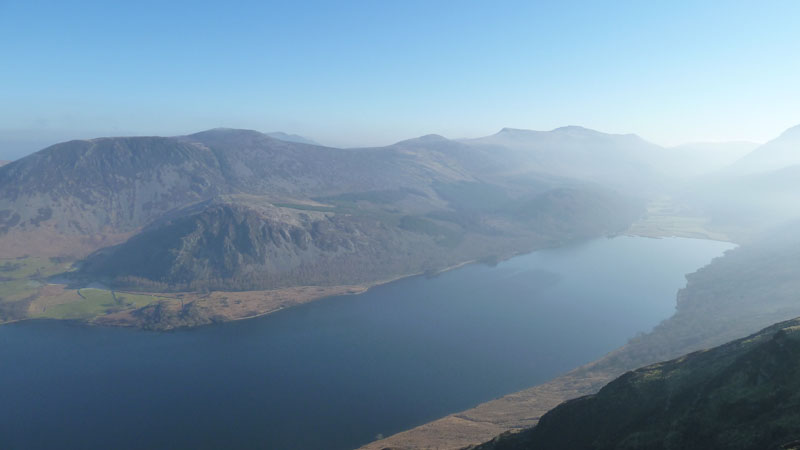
column 20, row 268
column 21, row 278
column 664, row 219
column 11, row 291
column 97, row 302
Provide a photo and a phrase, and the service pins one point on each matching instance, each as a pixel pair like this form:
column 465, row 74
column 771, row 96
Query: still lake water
column 335, row 373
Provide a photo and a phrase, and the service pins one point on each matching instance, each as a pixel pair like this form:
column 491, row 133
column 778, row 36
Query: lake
column 336, row 373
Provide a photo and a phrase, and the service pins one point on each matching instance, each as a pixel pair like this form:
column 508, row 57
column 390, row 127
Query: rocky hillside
column 238, row 210
column 742, row 395
column 83, row 187
column 240, row 245
column 226, row 191
column 78, row 196
column 241, row 242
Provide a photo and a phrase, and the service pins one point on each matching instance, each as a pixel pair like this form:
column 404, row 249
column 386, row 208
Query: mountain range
column 238, row 210
column 175, row 221
column 229, row 209
column 747, row 289
column 77, row 197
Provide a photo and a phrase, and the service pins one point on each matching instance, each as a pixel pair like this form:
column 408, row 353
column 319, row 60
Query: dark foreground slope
column 742, row 395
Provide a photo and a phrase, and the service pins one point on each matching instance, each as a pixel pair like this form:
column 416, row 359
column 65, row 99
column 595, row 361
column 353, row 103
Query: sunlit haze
column 371, row 73
column 406, row 225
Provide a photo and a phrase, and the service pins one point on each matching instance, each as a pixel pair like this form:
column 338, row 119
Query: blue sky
column 374, row 72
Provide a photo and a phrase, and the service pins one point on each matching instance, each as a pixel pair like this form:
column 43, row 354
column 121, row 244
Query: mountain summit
column 578, row 152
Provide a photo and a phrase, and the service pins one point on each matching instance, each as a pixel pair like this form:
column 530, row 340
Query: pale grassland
column 665, row 219
column 24, row 287
column 96, row 302
column 21, row 278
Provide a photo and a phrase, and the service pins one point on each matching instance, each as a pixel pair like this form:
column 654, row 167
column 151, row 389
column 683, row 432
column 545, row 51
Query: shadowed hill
column 742, row 395
column 228, row 209
column 78, row 196
column 240, row 243
column 112, row 186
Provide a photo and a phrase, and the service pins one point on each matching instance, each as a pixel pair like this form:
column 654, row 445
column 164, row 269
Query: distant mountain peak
column 221, row 131
column 781, row 152
column 428, row 138
column 508, row 130
column 569, row 129
column 793, row 132
column 432, row 137
column 516, row 133
column 575, row 129
column 291, row 138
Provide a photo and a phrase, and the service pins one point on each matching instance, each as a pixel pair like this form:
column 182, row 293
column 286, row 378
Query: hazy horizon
column 362, row 74
column 519, row 216
column 17, row 144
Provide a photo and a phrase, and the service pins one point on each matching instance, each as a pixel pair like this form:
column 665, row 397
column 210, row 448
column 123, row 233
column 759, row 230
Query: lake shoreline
column 428, row 346
column 522, row 409
column 215, row 305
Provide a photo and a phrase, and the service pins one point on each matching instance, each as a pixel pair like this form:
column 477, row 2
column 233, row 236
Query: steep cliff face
column 742, row 395
column 237, row 246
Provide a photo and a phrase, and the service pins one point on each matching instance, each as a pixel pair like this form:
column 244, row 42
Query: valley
column 745, row 290
column 426, row 345
column 181, row 224
column 399, row 225
column 224, row 225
